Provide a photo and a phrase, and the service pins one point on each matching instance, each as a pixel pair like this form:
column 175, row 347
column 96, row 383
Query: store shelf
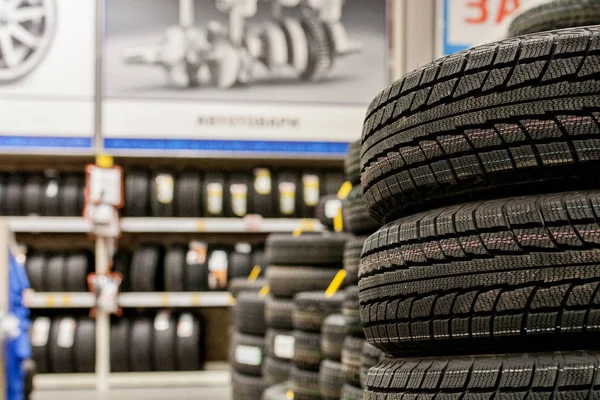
column 131, row 300
column 35, row 224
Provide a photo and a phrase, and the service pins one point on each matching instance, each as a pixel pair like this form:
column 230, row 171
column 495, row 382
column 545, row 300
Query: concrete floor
column 170, row 393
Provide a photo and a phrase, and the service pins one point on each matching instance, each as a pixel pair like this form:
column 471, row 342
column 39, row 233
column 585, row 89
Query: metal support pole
column 98, row 140
column 102, row 323
column 4, row 246
column 186, row 13
column 236, row 26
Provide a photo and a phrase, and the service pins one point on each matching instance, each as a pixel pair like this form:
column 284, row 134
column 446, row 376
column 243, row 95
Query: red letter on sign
column 482, row 6
column 505, row 10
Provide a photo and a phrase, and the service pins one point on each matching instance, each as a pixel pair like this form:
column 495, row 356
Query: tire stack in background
column 472, row 293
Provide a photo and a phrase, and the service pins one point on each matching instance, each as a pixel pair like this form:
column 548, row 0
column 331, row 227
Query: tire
column 331, row 380
column 247, row 387
column 327, row 210
column 166, row 207
column 549, row 375
column 308, row 249
column 238, row 285
column 140, row 345
column 278, row 313
column 246, row 354
column 320, row 59
column 557, row 14
column 60, row 355
column 332, row 336
column 355, row 214
column 146, row 269
column 30, row 369
column 77, row 268
column 121, row 264
column 14, row 195
column 164, row 351
column 137, row 193
column 250, row 314
column 520, row 271
column 350, row 310
column 55, row 274
column 35, row 265
column 41, row 337
column 32, row 195
column 307, row 350
column 288, row 195
column 352, row 252
column 240, row 265
column 276, row 371
column 175, row 263
column 311, row 309
column 84, row 352
column 332, row 182
column 213, row 205
column 350, row 392
column 239, row 204
column 517, row 116
column 277, row 392
column 352, row 163
column 258, row 258
column 369, row 357
column 305, row 384
column 119, row 345
column 285, row 282
column 196, row 276
column 188, row 193
column 261, row 193
column 279, row 345
column 351, row 362
column 190, row 343
column 70, row 204
column 3, row 200
column 50, row 200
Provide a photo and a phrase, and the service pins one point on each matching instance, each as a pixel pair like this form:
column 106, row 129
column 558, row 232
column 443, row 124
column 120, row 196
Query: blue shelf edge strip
column 45, row 142
column 246, row 146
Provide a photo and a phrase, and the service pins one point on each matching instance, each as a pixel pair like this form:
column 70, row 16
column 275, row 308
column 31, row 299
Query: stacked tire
column 469, row 292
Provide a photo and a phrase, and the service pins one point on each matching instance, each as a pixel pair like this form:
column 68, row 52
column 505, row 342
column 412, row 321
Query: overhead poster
column 279, row 76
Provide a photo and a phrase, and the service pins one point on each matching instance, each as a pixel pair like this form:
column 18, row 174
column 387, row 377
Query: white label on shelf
column 248, row 355
column 214, row 198
column 66, row 333
column 262, row 181
column 243, row 247
column 185, row 327
column 40, row 331
column 239, row 199
column 218, row 266
column 197, row 253
column 332, row 207
column 284, row 346
column 287, row 198
column 311, row 190
column 164, row 188
column 162, row 321
column 52, row 189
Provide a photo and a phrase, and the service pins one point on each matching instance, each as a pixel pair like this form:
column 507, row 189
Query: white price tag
column 218, row 264
column 287, row 198
column 196, row 254
column 248, row 355
column 162, row 321
column 311, row 190
column 66, row 333
column 185, row 326
column 165, row 185
column 40, row 331
column 262, row 181
column 214, row 198
column 332, row 207
column 239, row 199
column 284, row 346
column 105, row 185
column 52, row 189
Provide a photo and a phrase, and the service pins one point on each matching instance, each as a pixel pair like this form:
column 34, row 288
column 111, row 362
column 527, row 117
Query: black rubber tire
column 238, row 285
column 50, row 199
column 256, row 344
column 351, row 392
column 140, row 345
column 164, row 351
column 119, row 345
column 277, row 392
column 320, row 58
column 188, row 192
column 288, row 178
column 250, row 313
column 191, row 351
column 61, row 359
column 3, row 179
column 263, row 202
column 175, row 265
column 146, row 269
column 479, row 276
column 352, row 252
column 518, row 116
column 351, row 311
column 240, row 265
column 326, row 249
column 32, row 195
column 276, row 371
column 332, row 336
column 158, row 209
column 137, row 193
column 278, row 313
column 369, row 357
column 84, row 349
column 287, row 281
column 325, row 211
column 247, row 387
column 55, row 274
column 196, row 276
column 30, row 369
column 307, row 350
column 356, row 214
column 351, row 361
column 121, row 264
column 352, row 163
column 550, row 376
column 70, row 204
column 331, row 380
column 35, row 265
column 259, row 258
column 311, row 309
column 274, row 339
column 214, row 178
column 14, row 195
column 332, row 182
column 40, row 354
column 305, row 384
column 77, row 267
column 556, row 14
column 239, row 208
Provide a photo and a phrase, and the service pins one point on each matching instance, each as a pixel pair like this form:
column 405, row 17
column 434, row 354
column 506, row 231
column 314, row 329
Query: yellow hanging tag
column 336, row 282
column 254, row 273
column 344, row 190
column 289, row 395
column 264, row 291
column 338, row 221
column 104, row 161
